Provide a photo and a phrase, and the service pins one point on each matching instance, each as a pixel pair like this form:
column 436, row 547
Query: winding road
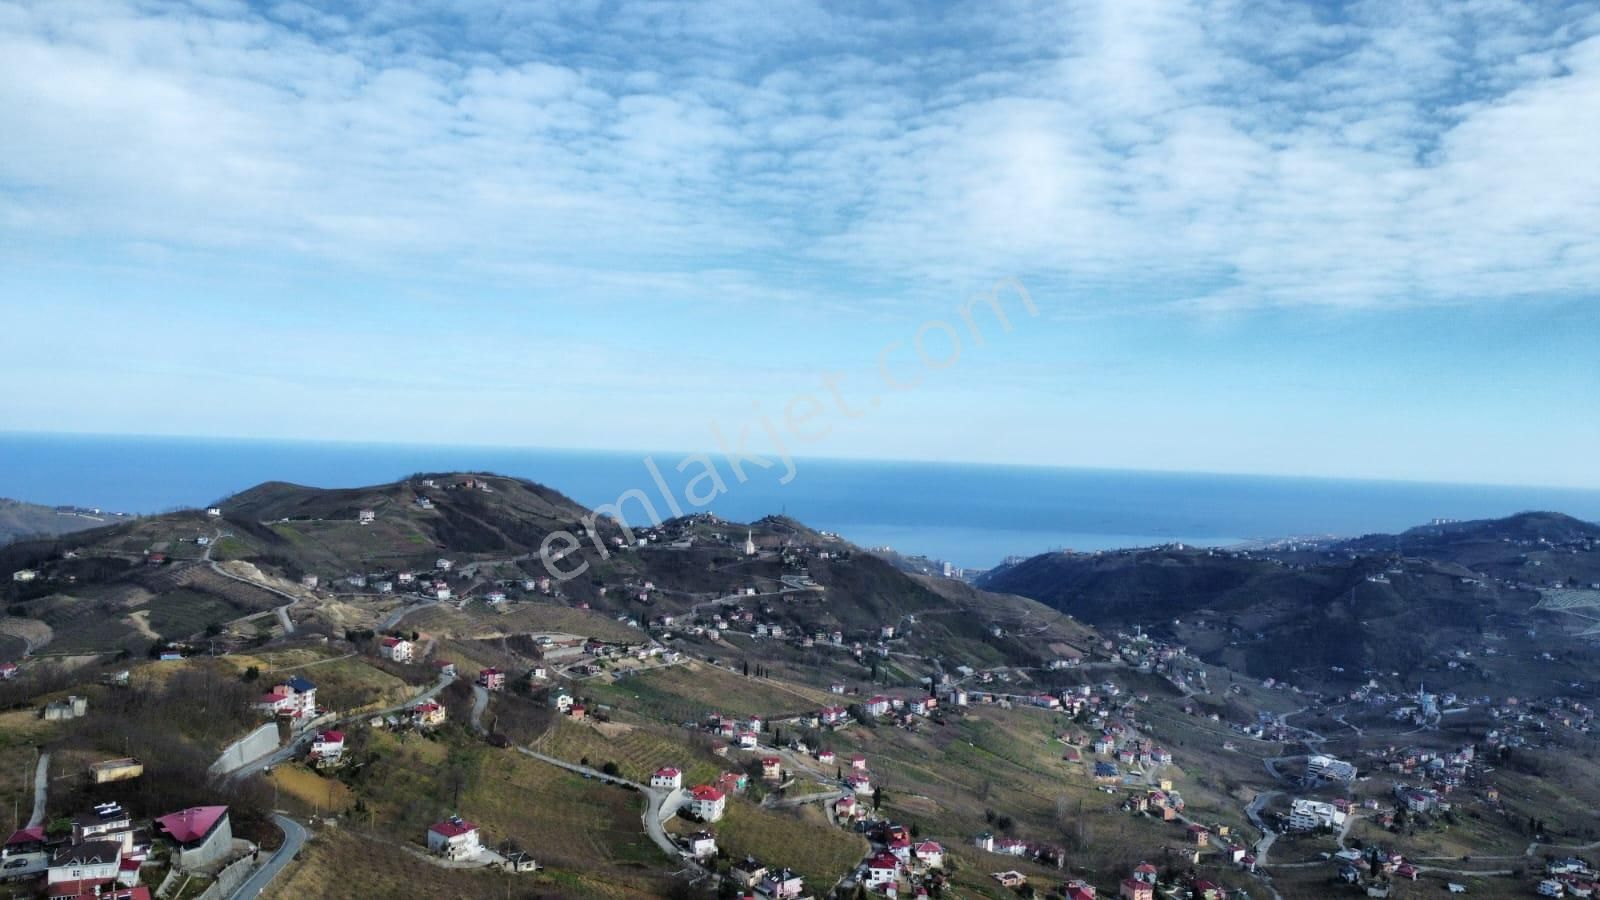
column 653, row 809
column 294, row 837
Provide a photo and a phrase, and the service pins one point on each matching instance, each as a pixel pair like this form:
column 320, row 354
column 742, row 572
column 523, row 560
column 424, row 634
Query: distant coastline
column 970, row 515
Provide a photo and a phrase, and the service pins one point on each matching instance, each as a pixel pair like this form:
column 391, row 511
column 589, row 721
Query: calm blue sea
column 971, row 515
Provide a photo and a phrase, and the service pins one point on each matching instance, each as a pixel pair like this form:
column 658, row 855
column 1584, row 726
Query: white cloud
column 1217, row 154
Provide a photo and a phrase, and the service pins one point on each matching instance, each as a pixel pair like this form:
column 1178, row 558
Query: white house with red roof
column 8, row 671
column 667, row 778
column 771, row 768
column 861, row 784
column 878, row 706
column 428, row 714
column 454, row 838
column 858, row 763
column 327, row 748
column 826, row 757
column 295, row 697
column 847, row 808
column 706, row 803
column 882, row 869
column 202, row 834
column 747, row 740
column 397, row 649
column 930, row 854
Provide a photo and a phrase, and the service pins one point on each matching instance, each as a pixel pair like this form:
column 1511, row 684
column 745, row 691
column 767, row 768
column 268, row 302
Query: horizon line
column 670, row 452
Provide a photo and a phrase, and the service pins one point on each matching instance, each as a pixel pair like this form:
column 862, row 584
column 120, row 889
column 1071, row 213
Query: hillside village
column 347, row 692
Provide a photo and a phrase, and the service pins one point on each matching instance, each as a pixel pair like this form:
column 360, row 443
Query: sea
column 972, row 516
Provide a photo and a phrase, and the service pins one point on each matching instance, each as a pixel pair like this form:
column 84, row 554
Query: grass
column 637, row 751
column 686, row 693
column 799, row 839
column 302, row 788
column 340, row 865
column 181, row 613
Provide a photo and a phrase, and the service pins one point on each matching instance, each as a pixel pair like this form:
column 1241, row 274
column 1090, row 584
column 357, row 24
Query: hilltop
column 340, row 553
column 1305, row 611
column 22, row 520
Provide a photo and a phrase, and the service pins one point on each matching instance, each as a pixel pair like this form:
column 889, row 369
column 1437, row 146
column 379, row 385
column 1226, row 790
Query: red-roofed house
column 882, row 869
column 202, row 833
column 399, row 650
column 327, row 747
column 1134, row 889
column 1078, row 889
column 24, row 853
column 771, row 768
column 117, row 893
column 706, row 803
column 428, row 714
column 668, row 778
column 931, row 854
column 858, row 763
column 492, row 679
column 454, row 838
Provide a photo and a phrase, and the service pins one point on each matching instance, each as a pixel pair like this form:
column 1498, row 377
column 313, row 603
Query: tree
column 877, row 797
column 251, row 673
column 610, row 768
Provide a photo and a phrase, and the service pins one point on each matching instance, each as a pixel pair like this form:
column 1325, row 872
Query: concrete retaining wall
column 229, row 879
column 247, row 749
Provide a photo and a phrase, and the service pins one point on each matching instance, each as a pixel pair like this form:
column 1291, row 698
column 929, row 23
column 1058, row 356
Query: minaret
column 749, row 543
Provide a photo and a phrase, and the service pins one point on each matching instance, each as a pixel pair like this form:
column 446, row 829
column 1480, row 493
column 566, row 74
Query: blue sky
column 1292, row 238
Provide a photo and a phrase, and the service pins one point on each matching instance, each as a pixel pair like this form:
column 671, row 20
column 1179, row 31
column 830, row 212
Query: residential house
column 706, row 803
column 445, row 668
column 427, row 714
column 327, row 748
column 1010, row 879
column 1134, row 889
column 826, row 757
column 492, row 679
column 771, row 768
column 930, row 854
column 8, row 671
column 701, row 844
column 882, row 869
column 561, row 701
column 782, row 884
column 202, row 834
column 24, row 853
column 858, row 763
column 455, row 838
column 83, row 868
column 860, row 784
column 106, row 822
column 1199, row 835
column 667, row 778
column 397, row 649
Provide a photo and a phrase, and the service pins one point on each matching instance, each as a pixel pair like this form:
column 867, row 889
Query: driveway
column 41, row 789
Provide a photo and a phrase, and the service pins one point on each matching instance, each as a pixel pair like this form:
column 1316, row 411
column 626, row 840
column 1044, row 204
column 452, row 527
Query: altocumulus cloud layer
column 1201, row 154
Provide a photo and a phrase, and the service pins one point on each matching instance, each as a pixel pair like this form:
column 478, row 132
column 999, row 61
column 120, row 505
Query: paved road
column 296, row 746
column 652, row 812
column 401, row 613
column 294, row 837
column 282, row 612
column 41, row 789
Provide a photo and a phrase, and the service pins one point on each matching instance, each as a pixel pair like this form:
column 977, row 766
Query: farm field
column 638, row 751
column 480, row 620
column 798, row 838
column 686, row 693
column 339, row 865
